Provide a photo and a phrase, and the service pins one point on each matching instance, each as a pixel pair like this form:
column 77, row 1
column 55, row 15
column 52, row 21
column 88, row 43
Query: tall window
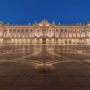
column 22, row 30
column 10, row 30
column 65, row 30
column 31, row 30
column 61, row 30
column 56, row 30
column 26, row 30
column 14, row 30
column 18, row 30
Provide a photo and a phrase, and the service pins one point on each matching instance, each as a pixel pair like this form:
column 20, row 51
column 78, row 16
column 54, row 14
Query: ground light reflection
column 42, row 66
column 44, row 57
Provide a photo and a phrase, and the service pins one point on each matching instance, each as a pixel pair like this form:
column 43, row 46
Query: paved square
column 44, row 67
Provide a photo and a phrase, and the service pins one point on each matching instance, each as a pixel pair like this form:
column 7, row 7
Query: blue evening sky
column 28, row 11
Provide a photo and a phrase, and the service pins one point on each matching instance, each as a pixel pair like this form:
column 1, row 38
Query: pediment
column 44, row 23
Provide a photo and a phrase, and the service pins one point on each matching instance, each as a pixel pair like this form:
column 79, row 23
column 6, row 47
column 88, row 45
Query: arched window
column 61, row 30
column 10, row 30
column 26, row 30
column 65, row 30
column 14, row 30
column 18, row 30
column 56, row 30
column 31, row 30
column 22, row 30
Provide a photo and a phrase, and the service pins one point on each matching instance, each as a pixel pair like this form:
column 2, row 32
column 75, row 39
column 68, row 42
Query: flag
column 45, row 35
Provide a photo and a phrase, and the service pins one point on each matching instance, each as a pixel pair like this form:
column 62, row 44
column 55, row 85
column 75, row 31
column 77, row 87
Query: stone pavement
column 44, row 67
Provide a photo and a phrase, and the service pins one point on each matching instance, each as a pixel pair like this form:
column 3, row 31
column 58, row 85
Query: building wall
column 37, row 33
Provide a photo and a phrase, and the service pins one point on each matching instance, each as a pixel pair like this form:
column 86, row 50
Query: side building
column 45, row 33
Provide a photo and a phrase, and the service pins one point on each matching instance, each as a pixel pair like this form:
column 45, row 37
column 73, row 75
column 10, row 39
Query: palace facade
column 45, row 33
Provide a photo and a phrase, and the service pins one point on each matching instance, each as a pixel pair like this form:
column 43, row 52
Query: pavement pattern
column 21, row 67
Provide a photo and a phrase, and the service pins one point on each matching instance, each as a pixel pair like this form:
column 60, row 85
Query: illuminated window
column 83, row 30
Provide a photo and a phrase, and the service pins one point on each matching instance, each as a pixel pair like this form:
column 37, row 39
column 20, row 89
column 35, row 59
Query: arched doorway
column 56, row 41
column 65, row 41
column 44, row 41
column 70, row 42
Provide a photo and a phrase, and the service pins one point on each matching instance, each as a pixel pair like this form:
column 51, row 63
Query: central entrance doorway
column 44, row 40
